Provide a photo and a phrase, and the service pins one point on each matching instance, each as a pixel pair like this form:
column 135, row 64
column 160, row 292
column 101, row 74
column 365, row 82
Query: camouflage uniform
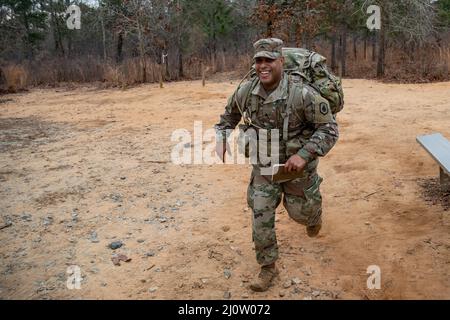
column 312, row 132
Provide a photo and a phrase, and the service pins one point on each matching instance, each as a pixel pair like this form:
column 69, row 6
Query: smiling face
column 269, row 71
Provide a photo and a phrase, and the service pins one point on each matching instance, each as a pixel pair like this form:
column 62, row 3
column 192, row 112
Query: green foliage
column 443, row 8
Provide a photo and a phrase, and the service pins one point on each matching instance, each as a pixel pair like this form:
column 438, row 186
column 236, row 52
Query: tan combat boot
column 265, row 278
column 313, row 231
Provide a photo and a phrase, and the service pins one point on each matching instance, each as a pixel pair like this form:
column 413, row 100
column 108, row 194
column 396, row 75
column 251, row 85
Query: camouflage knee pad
column 303, row 201
column 264, row 197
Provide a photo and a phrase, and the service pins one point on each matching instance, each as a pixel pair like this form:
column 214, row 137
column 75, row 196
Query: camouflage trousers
column 302, row 200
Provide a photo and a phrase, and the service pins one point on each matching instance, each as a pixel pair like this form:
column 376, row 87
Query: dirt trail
column 79, row 169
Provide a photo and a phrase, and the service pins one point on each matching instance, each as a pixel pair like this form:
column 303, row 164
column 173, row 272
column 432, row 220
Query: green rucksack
column 311, row 68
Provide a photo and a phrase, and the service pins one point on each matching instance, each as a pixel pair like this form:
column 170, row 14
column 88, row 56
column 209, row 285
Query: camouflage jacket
column 312, row 129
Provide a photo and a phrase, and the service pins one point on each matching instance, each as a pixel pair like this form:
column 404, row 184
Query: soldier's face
column 269, row 71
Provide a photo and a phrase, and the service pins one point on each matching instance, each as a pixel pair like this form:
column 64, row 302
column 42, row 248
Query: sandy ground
column 82, row 168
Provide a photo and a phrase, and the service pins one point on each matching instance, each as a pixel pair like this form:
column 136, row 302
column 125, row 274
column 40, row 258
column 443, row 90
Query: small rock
column 48, row 221
column 103, row 284
column 282, row 293
column 226, row 228
column 152, row 289
column 179, row 203
column 316, row 293
column 296, row 281
column 115, row 245
column 227, row 295
column 227, row 273
column 367, row 223
column 121, row 257
column 150, row 254
column 287, row 284
column 75, row 215
column 123, row 178
column 169, row 189
column 141, row 240
column 94, row 270
column 26, row 217
column 116, row 197
column 93, row 237
column 245, row 296
column 204, row 280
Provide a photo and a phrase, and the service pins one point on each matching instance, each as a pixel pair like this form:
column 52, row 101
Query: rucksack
column 311, row 68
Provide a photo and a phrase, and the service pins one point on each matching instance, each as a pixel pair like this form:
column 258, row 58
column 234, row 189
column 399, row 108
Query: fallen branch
column 6, row 225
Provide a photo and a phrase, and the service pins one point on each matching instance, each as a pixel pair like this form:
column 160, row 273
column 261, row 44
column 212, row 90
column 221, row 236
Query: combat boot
column 313, row 231
column 265, row 278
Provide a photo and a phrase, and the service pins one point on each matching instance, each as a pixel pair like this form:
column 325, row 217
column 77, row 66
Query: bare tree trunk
column 119, row 47
column 365, row 47
column 374, row 47
column 103, row 36
column 344, row 52
column 381, row 53
column 166, row 66
column 333, row 52
column 56, row 32
column 203, row 75
column 142, row 53
column 213, row 62
column 224, row 62
column 180, row 63
column 269, row 29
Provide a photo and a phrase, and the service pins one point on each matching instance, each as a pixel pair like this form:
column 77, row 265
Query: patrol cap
column 268, row 48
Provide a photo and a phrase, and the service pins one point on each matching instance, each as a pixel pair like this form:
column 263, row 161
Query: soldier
column 310, row 132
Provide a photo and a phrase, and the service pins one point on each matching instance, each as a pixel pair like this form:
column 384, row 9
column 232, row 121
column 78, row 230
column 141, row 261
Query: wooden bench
column 439, row 148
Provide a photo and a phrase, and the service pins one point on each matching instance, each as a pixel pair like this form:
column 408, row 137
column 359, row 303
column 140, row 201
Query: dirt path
column 79, row 169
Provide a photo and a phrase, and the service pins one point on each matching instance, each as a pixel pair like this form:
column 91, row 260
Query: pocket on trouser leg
column 305, row 207
column 313, row 204
column 294, row 205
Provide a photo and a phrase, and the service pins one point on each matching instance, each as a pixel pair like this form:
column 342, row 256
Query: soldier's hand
column 295, row 163
column 221, row 149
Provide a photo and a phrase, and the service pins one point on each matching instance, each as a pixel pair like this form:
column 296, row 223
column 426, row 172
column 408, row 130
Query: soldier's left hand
column 295, row 163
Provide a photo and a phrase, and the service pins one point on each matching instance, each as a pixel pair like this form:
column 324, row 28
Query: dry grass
column 424, row 65
column 15, row 78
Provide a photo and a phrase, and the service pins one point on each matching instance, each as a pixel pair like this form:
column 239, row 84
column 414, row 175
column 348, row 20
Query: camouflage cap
column 268, row 48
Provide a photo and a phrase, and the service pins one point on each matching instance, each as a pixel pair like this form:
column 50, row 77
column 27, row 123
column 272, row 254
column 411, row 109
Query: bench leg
column 445, row 181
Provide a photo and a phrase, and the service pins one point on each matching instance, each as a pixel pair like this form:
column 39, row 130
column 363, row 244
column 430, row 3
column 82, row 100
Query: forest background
column 127, row 42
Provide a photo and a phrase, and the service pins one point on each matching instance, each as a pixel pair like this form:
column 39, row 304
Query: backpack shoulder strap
column 294, row 98
column 242, row 96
